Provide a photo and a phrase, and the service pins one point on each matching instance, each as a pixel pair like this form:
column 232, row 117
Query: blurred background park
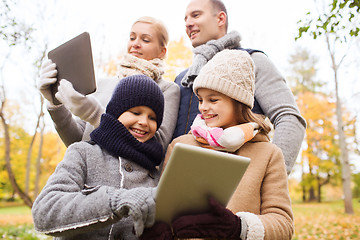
column 314, row 44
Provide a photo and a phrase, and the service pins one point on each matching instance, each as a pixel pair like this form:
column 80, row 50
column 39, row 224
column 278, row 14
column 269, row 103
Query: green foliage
column 337, row 17
column 21, row 232
column 304, row 69
column 12, row 29
column 356, row 189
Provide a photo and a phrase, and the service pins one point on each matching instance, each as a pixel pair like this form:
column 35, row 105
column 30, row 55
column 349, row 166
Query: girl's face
column 144, row 42
column 217, row 109
column 140, row 121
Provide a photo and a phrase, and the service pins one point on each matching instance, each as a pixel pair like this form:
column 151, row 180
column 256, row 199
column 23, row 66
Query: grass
column 326, row 221
column 312, row 221
column 16, row 223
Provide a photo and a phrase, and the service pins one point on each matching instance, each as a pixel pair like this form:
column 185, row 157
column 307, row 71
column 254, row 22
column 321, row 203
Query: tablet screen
column 74, row 62
column 191, row 175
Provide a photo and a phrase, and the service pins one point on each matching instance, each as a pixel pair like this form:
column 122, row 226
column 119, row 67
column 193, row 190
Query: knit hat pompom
column 230, row 72
column 136, row 90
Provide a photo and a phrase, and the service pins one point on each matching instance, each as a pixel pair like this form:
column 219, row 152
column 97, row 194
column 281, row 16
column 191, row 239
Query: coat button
column 128, row 167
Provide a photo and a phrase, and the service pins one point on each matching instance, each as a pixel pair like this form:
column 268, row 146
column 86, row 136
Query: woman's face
column 140, row 121
column 217, row 109
column 144, row 42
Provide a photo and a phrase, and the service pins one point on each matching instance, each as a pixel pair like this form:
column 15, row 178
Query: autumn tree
column 13, row 33
column 337, row 23
column 52, row 152
column 318, row 161
column 322, row 148
column 16, row 34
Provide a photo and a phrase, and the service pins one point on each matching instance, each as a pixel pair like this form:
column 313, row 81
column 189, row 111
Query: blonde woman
column 146, row 50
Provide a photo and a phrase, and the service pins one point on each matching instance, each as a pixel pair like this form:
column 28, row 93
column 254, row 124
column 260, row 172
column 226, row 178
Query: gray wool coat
column 77, row 200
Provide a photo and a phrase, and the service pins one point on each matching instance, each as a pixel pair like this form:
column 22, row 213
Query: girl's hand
column 160, row 231
column 219, row 222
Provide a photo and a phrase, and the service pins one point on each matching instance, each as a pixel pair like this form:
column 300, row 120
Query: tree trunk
column 346, row 172
column 318, row 190
column 312, row 197
column 12, row 179
column 302, row 180
column 303, row 193
column 320, row 184
column 28, row 159
column 38, row 164
column 38, row 159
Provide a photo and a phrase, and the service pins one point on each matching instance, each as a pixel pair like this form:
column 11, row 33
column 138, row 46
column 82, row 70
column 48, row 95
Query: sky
column 267, row 25
column 270, row 26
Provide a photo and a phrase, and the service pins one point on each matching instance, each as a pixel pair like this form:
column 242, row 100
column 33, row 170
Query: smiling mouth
column 193, row 33
column 138, row 131
column 135, row 53
column 209, row 116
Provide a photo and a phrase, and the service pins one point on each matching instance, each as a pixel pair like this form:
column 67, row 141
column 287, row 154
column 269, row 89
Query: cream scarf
column 131, row 65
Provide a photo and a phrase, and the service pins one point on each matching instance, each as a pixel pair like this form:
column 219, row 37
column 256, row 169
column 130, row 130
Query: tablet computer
column 191, row 175
column 74, row 62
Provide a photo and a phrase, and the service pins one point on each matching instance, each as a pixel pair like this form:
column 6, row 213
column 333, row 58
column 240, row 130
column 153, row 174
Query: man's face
column 201, row 22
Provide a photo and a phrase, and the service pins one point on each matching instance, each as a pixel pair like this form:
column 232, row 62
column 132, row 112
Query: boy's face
column 217, row 109
column 140, row 121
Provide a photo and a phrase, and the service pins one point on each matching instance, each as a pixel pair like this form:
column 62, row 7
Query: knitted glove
column 48, row 75
column 139, row 203
column 218, row 223
column 160, row 231
column 85, row 107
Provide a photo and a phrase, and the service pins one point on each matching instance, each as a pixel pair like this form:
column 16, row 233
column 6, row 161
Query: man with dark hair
column 206, row 24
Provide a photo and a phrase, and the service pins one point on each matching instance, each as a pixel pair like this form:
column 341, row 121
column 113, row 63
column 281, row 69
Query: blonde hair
column 159, row 27
column 245, row 115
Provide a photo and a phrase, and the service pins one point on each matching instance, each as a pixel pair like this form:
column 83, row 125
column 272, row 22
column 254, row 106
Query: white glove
column 139, row 203
column 48, row 75
column 85, row 107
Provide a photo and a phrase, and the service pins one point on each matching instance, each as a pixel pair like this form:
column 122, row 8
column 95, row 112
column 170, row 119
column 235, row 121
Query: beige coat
column 262, row 198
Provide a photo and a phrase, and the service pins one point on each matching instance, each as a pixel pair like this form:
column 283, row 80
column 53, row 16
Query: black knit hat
column 137, row 90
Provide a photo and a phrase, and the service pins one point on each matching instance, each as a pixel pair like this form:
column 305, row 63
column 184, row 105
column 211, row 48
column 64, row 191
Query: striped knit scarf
column 228, row 140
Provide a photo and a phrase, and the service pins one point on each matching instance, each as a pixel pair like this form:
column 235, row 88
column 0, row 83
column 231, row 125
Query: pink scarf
column 229, row 139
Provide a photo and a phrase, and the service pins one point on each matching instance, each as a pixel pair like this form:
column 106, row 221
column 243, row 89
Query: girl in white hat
column 260, row 208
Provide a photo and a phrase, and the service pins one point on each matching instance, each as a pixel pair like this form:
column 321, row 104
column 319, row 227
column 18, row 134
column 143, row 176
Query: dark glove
column 219, row 222
column 160, row 231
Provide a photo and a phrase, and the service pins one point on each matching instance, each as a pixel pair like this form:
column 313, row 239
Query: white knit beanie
column 230, row 72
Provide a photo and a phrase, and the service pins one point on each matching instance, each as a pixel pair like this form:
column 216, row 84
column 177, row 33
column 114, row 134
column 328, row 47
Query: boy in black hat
column 104, row 189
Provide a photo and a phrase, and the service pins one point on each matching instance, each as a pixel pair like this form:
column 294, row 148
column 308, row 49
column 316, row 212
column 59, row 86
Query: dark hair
column 246, row 115
column 219, row 6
